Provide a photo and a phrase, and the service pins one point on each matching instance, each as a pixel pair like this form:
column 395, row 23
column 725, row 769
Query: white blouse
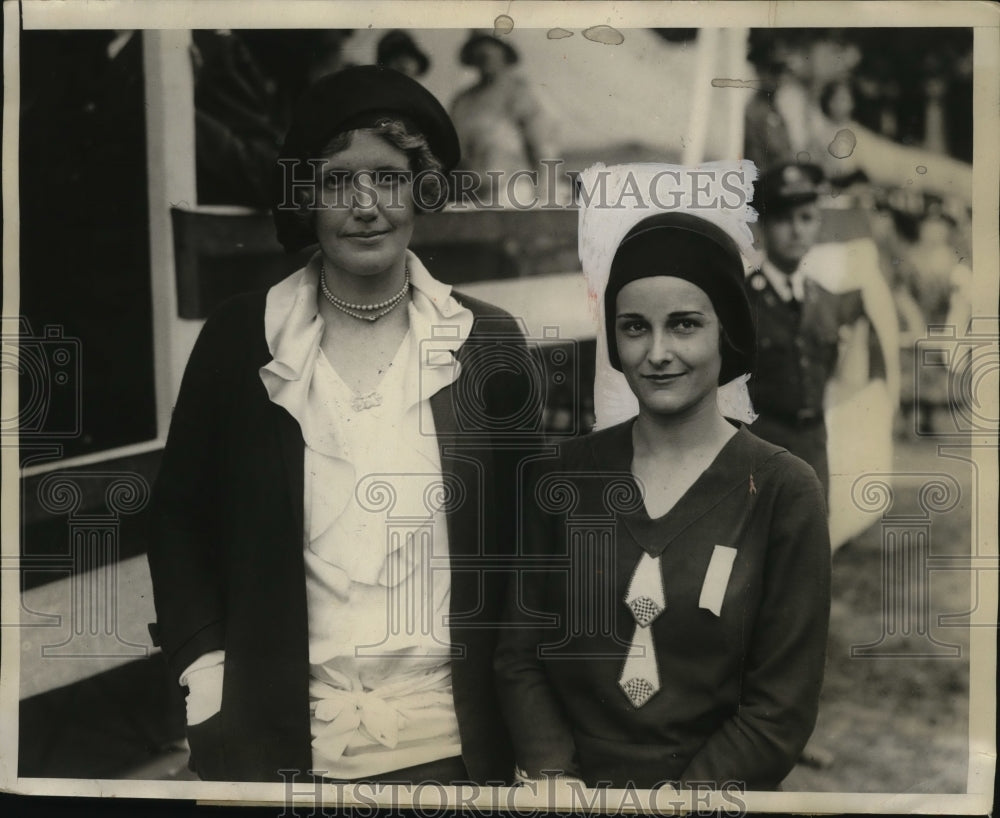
column 378, row 580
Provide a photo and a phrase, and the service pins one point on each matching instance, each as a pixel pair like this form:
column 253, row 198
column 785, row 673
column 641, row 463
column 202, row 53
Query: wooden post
column 701, row 97
column 171, row 165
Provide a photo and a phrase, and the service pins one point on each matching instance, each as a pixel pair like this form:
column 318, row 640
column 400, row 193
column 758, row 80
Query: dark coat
column 739, row 691
column 226, row 551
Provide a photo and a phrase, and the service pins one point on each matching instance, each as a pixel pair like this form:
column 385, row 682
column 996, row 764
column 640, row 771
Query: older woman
column 670, row 622
column 330, row 486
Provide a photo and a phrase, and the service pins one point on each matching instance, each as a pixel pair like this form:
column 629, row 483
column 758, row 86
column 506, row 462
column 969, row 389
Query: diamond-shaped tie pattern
column 640, row 677
column 639, row 691
column 645, row 610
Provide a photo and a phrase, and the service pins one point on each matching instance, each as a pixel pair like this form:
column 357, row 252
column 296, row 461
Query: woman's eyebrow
column 385, row 166
column 673, row 314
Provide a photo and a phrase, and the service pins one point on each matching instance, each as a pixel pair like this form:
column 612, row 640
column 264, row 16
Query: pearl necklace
column 364, row 312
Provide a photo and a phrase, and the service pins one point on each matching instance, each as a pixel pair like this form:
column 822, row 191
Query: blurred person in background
column 236, row 130
column 835, row 135
column 292, row 59
column 397, row 50
column 245, row 85
column 799, row 321
column 793, row 65
column 810, row 59
column 766, row 141
column 933, row 289
column 905, row 107
column 502, row 123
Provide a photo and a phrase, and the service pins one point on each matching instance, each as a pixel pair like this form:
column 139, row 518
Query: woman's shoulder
column 775, row 465
column 587, row 467
column 248, row 308
column 237, row 323
column 488, row 316
column 239, row 308
column 604, row 450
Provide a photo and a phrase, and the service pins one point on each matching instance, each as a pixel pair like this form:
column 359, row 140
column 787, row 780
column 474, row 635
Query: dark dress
column 739, row 691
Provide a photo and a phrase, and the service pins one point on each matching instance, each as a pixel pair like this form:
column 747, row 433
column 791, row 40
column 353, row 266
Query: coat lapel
column 289, row 437
column 461, row 520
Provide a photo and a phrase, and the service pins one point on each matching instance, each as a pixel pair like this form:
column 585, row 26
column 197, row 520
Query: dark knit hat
column 785, row 186
column 356, row 97
column 689, row 247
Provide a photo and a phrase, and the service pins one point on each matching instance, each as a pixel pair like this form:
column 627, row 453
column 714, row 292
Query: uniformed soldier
column 798, row 320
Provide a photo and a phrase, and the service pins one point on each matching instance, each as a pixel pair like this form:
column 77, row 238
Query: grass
column 897, row 724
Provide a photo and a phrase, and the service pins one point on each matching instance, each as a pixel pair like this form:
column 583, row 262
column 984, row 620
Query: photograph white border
column 576, row 16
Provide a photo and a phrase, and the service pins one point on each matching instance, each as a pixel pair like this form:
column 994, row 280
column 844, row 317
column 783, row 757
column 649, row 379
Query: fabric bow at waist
column 378, row 712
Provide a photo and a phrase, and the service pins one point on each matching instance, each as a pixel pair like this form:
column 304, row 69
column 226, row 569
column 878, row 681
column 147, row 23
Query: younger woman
column 669, row 622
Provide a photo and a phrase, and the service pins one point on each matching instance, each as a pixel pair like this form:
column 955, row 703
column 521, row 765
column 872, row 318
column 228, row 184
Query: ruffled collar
column 293, row 328
column 299, row 379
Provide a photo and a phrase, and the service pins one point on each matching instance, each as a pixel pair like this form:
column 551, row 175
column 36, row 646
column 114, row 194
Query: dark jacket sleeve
column 783, row 668
column 184, row 558
column 502, row 395
column 497, row 406
column 540, row 730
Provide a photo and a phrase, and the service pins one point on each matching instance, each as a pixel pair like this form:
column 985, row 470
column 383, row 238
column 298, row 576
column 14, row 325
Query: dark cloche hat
column 355, row 97
column 467, row 55
column 787, row 185
column 685, row 246
column 398, row 43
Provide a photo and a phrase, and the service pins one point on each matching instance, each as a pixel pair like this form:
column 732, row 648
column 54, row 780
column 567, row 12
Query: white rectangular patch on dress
column 713, row 590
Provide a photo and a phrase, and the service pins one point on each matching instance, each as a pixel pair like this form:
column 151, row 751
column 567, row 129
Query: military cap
column 787, row 185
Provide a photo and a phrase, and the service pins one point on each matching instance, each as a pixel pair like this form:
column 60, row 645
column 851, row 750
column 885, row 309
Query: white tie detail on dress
column 640, row 678
column 381, row 712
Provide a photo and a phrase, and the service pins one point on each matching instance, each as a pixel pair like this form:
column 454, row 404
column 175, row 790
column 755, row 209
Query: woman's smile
column 664, row 378
column 367, row 236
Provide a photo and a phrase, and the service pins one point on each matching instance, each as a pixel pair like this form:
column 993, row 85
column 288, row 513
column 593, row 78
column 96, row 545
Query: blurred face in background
column 790, row 233
column 405, row 64
column 490, row 58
